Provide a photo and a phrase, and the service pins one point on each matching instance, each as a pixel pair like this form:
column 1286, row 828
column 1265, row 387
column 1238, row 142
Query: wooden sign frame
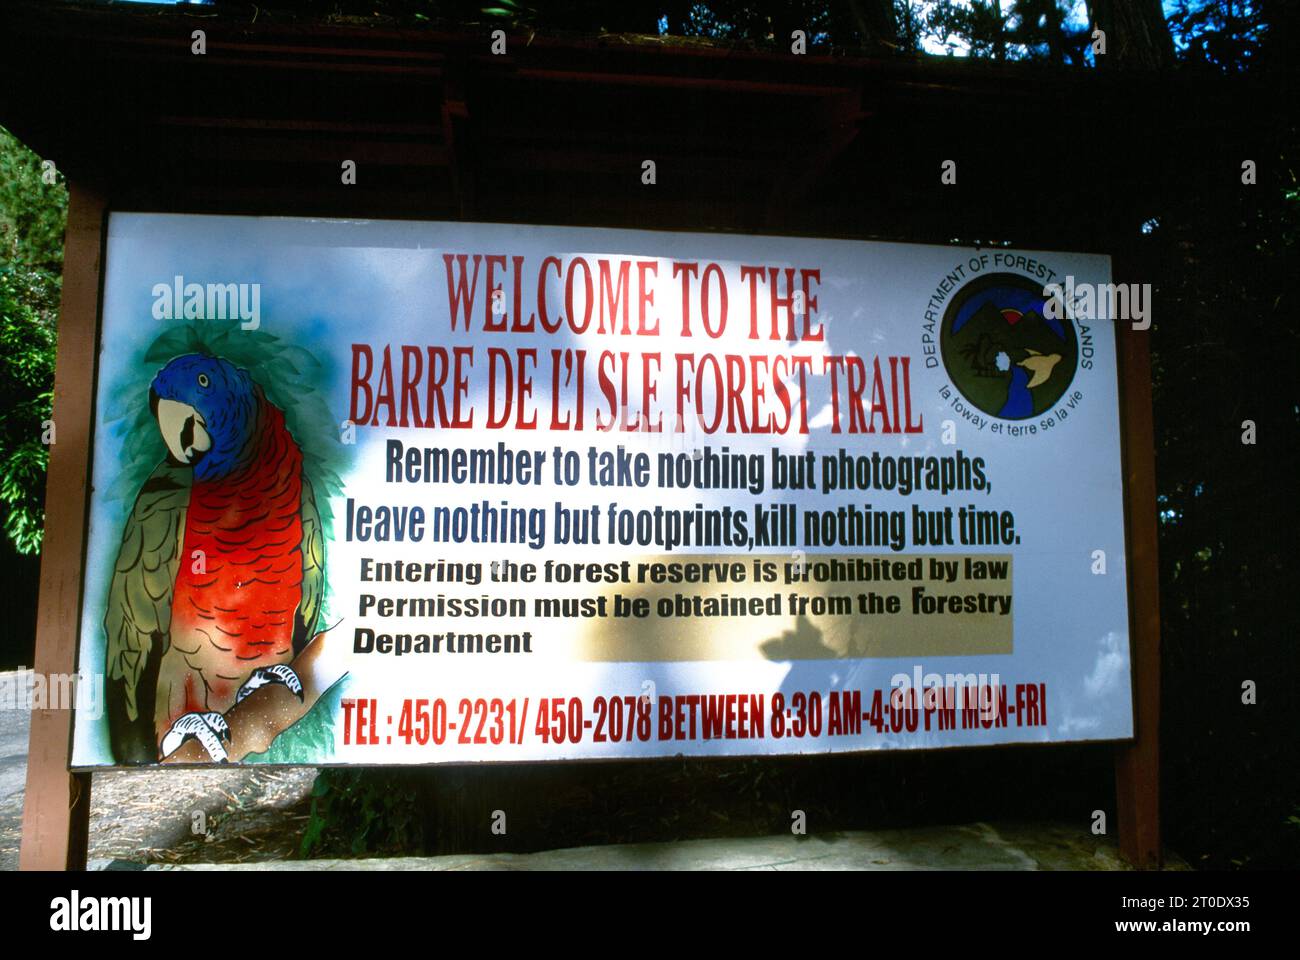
column 57, row 808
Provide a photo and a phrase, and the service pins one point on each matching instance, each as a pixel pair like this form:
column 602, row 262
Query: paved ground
column 14, row 725
column 13, row 753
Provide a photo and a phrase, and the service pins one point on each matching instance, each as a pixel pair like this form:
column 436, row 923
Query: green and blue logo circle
column 1001, row 350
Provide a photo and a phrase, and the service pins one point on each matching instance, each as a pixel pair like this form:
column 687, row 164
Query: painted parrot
column 219, row 578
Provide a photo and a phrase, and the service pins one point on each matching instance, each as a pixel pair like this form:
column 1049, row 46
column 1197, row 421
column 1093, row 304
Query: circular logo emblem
column 1001, row 350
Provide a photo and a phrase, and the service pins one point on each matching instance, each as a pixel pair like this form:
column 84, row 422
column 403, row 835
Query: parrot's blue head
column 206, row 409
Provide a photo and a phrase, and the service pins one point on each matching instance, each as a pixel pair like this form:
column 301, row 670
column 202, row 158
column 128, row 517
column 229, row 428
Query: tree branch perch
column 267, row 712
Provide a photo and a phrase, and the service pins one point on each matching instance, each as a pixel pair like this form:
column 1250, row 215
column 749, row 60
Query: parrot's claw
column 280, row 673
column 209, row 729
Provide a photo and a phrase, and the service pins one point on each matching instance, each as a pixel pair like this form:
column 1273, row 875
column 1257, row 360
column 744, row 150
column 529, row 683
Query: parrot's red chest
column 240, row 579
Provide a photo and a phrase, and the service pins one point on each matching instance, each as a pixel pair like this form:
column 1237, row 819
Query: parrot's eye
column 203, row 379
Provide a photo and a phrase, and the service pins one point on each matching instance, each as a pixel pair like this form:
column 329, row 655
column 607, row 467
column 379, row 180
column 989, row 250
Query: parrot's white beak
column 183, row 430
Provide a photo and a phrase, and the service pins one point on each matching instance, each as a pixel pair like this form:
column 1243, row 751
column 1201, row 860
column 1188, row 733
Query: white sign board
column 532, row 493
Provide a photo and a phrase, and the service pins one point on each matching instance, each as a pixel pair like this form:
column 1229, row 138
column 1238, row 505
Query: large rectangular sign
column 399, row 492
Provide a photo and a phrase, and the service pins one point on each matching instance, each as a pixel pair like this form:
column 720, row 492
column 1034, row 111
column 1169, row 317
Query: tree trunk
column 875, row 22
column 1137, row 36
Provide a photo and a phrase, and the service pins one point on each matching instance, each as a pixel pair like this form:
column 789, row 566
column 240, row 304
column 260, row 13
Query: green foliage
column 1226, row 349
column 32, row 215
column 1225, row 36
column 366, row 811
column 32, row 212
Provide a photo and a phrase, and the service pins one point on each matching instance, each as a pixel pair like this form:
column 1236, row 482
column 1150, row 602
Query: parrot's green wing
column 313, row 570
column 137, row 618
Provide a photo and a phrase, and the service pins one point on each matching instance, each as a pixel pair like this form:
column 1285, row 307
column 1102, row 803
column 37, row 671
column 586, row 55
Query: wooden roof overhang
column 556, row 130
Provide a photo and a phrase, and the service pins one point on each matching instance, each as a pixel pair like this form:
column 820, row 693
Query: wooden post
column 56, row 810
column 1137, row 765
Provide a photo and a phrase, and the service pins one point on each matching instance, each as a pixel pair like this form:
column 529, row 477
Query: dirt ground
column 244, row 815
column 258, row 814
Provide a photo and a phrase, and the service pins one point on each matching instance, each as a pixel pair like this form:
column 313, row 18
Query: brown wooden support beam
column 56, row 810
column 1137, row 764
